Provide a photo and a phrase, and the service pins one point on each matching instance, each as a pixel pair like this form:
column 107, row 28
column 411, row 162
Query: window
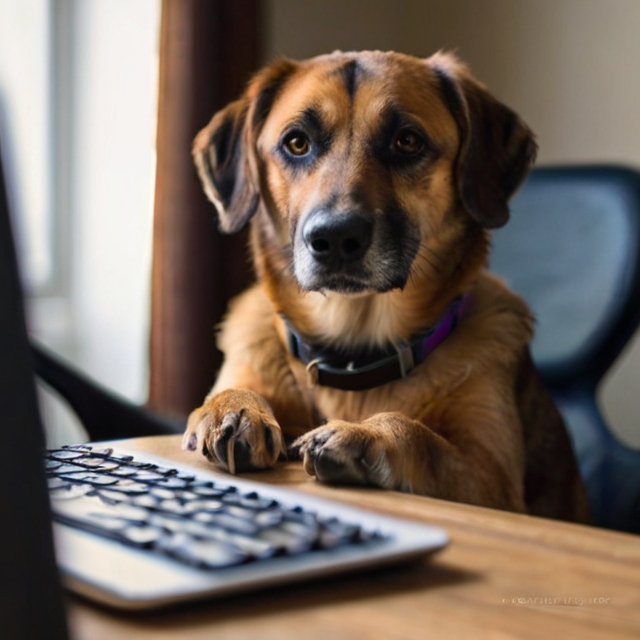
column 78, row 103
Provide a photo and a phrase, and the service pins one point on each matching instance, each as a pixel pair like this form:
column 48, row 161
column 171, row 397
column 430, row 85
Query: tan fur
column 473, row 422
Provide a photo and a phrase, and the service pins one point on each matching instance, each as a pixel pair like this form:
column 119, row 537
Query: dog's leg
column 255, row 399
column 241, row 423
column 236, row 429
column 392, row 451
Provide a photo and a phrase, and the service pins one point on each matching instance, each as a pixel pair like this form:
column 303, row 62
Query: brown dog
column 374, row 335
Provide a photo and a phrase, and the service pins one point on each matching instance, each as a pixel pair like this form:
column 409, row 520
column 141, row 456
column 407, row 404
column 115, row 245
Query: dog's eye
column 407, row 143
column 297, row 144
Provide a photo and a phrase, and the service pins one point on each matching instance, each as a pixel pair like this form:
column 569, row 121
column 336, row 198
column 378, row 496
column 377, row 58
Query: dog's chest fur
column 430, row 390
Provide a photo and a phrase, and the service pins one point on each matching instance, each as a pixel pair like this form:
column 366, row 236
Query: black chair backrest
column 30, row 599
column 572, row 250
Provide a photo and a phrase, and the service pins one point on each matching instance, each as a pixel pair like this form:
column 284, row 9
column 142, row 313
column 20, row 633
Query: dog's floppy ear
column 219, row 152
column 497, row 149
column 224, row 151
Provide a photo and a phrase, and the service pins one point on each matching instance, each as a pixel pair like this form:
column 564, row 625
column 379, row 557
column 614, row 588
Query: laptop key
column 252, row 546
column 173, row 482
column 105, row 451
column 89, row 477
column 161, row 493
column 145, row 500
column 149, row 475
column 197, row 506
column 56, row 483
column 70, row 491
column 125, row 471
column 66, row 467
column 207, row 490
column 142, row 535
column 66, row 454
column 130, row 487
column 269, row 518
column 110, row 523
column 210, row 554
column 286, row 542
column 97, row 463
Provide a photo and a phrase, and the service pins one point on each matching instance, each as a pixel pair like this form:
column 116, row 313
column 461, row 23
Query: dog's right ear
column 224, row 151
column 220, row 156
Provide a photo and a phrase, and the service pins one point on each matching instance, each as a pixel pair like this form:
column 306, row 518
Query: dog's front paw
column 346, row 453
column 236, row 430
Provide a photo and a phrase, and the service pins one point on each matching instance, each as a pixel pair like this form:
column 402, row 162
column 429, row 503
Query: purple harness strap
column 445, row 326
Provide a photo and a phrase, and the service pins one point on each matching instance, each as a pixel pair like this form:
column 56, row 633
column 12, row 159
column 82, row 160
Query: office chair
column 103, row 414
column 572, row 250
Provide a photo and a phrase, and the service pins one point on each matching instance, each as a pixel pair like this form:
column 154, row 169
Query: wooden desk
column 503, row 576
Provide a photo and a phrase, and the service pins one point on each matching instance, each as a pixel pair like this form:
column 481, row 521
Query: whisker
column 424, row 263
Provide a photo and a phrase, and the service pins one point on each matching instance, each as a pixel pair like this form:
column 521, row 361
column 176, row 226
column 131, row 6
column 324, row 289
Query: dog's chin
column 345, row 287
column 351, row 286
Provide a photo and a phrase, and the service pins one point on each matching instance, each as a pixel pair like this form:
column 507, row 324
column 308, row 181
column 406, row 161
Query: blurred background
column 78, row 115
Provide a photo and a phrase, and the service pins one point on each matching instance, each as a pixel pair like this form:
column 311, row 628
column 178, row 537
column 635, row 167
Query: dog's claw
column 190, row 442
column 231, row 461
column 293, row 451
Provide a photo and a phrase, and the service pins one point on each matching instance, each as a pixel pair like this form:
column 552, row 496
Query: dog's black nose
column 334, row 239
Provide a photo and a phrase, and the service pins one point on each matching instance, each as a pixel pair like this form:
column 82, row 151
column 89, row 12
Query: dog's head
column 357, row 161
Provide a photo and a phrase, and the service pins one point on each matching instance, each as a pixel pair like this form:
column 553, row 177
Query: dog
column 375, row 342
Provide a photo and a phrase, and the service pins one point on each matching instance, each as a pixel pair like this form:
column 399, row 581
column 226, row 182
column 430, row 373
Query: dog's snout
column 337, row 238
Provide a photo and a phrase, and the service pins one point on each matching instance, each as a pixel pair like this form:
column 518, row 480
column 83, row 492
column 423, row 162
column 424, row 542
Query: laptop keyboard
column 191, row 519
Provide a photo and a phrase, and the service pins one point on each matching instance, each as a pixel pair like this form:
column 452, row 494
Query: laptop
column 136, row 531
column 31, row 602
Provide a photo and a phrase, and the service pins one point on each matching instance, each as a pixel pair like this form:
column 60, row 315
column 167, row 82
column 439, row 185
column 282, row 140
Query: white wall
column 571, row 68
column 112, row 148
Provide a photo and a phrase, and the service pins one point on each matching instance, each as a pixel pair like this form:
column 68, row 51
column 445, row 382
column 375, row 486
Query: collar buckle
column 312, row 373
column 406, row 360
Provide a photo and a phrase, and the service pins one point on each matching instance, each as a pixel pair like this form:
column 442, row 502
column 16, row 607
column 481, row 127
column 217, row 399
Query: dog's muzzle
column 332, row 251
column 354, row 251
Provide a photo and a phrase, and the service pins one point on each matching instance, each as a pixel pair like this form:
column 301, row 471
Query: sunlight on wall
column 113, row 137
column 25, row 121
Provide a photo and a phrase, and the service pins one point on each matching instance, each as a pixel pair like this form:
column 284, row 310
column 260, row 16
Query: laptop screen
column 31, row 601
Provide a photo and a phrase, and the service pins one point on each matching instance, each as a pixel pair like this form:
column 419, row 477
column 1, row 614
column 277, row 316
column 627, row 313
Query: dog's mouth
column 346, row 286
column 351, row 285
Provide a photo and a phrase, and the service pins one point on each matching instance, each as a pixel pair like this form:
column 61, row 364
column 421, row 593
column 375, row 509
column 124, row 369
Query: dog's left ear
column 497, row 149
column 224, row 151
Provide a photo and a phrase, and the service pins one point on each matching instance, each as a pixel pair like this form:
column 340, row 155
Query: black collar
column 366, row 369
